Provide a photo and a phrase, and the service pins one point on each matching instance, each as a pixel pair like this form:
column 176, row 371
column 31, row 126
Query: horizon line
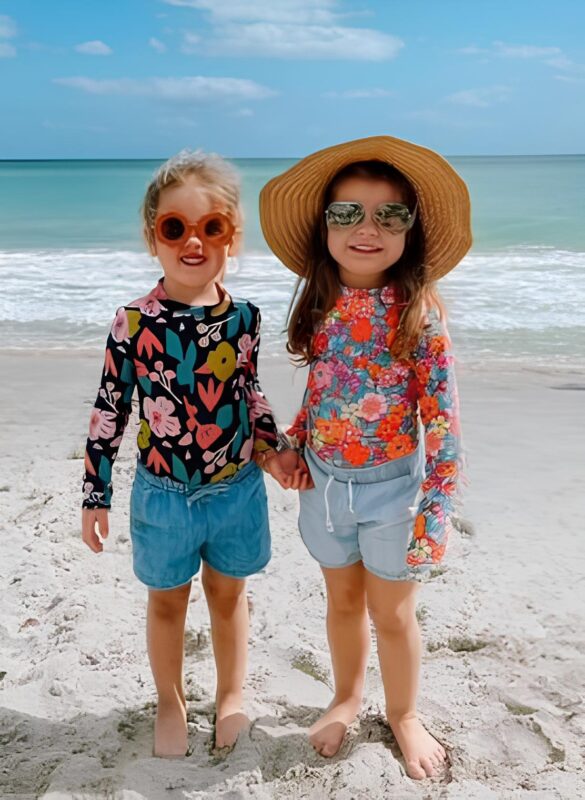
column 288, row 158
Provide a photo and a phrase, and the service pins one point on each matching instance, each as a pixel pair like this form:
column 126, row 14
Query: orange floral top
column 362, row 406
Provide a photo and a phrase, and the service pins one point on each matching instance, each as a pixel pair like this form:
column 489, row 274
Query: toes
column 440, row 754
column 428, row 766
column 415, row 770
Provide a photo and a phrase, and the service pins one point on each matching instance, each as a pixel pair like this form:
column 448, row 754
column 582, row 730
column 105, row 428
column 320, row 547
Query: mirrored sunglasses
column 391, row 217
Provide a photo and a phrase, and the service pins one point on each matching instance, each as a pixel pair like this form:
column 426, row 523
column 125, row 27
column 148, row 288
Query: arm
column 261, row 416
column 110, row 413
column 439, row 410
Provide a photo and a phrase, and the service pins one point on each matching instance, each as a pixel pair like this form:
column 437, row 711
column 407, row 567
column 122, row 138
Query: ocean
column 71, row 252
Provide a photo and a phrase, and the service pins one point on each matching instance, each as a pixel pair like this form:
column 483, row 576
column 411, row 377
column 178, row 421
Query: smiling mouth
column 365, row 248
column 192, row 260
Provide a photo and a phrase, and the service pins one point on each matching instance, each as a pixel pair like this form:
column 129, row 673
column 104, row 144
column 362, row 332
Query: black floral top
column 202, row 412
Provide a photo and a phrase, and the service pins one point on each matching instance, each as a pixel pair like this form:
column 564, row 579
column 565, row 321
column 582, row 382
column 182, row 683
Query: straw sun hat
column 291, row 203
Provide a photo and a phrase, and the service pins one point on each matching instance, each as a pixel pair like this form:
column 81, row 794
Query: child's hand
column 290, row 470
column 89, row 518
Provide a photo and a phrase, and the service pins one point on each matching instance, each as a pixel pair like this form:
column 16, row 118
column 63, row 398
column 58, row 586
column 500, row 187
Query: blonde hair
column 212, row 171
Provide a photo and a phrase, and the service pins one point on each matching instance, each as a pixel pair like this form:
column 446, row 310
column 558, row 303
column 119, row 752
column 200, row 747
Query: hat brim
column 291, row 202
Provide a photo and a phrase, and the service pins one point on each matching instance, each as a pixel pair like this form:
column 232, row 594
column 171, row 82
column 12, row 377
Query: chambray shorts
column 362, row 514
column 173, row 529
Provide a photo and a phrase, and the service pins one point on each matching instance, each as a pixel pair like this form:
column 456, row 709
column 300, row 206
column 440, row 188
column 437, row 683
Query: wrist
column 264, row 457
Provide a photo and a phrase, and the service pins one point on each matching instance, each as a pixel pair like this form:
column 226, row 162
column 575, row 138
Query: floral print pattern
column 202, row 411
column 362, row 406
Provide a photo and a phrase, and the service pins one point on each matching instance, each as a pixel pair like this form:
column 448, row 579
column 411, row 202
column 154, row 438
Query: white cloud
column 360, row 94
column 196, row 89
column 94, row 48
column 7, row 27
column 299, row 12
column 243, row 112
column 7, row 31
column 525, row 51
column 569, row 79
column 503, row 50
column 157, row 45
column 472, row 50
column 191, row 41
column 480, row 98
column 551, row 56
column 566, row 65
column 298, row 41
column 307, row 29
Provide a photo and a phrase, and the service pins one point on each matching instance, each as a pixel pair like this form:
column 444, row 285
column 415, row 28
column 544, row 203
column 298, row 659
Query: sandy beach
column 503, row 621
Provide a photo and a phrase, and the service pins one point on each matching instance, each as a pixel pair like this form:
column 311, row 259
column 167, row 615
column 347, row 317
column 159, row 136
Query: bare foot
column 327, row 733
column 170, row 729
column 422, row 752
column 229, row 727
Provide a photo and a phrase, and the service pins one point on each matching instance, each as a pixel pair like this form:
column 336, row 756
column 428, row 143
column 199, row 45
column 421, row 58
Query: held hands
column 89, row 518
column 288, row 468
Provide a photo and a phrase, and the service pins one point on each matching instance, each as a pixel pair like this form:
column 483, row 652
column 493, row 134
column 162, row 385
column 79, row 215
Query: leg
column 349, row 642
column 165, row 629
column 392, row 606
column 228, row 612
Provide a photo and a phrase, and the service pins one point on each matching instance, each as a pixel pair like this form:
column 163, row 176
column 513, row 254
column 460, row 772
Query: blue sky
column 270, row 78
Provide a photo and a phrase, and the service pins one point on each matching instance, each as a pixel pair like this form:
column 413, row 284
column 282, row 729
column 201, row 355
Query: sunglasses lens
column 344, row 215
column 216, row 228
column 172, row 229
column 394, row 217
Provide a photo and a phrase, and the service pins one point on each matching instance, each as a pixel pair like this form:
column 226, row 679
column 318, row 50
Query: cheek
column 396, row 244
column 334, row 243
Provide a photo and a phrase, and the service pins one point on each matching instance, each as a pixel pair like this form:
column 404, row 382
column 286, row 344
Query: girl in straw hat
column 369, row 226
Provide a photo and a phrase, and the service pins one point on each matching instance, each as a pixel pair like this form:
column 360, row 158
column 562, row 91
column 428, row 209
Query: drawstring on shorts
column 206, row 492
column 328, row 523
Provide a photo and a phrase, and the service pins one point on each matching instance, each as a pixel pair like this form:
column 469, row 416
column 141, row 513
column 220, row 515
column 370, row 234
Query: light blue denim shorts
column 173, row 529
column 362, row 514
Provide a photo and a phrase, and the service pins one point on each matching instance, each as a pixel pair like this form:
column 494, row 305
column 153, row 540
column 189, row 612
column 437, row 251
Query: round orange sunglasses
column 215, row 229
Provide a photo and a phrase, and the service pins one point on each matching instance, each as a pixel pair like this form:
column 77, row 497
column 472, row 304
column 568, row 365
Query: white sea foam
column 525, row 302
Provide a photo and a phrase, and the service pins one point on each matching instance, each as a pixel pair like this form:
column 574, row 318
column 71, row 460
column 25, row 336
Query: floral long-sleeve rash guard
column 202, row 412
column 361, row 406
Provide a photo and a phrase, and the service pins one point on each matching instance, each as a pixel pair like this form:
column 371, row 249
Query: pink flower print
column 321, row 375
column 371, row 407
column 102, row 424
column 246, row 345
column 388, row 295
column 393, row 376
column 150, row 304
column 158, row 412
column 120, row 327
column 257, row 404
column 246, row 451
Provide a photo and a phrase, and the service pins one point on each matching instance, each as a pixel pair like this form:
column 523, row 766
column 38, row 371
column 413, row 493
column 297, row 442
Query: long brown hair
column 321, row 285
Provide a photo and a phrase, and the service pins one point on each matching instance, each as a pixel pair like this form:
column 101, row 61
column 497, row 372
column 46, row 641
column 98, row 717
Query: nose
column 367, row 227
column 194, row 241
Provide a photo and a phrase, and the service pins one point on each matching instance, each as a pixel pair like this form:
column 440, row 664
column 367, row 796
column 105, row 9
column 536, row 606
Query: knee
column 223, row 594
column 393, row 621
column 346, row 602
column 168, row 604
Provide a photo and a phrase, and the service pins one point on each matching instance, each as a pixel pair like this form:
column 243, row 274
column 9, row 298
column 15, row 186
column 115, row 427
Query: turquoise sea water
column 71, row 252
